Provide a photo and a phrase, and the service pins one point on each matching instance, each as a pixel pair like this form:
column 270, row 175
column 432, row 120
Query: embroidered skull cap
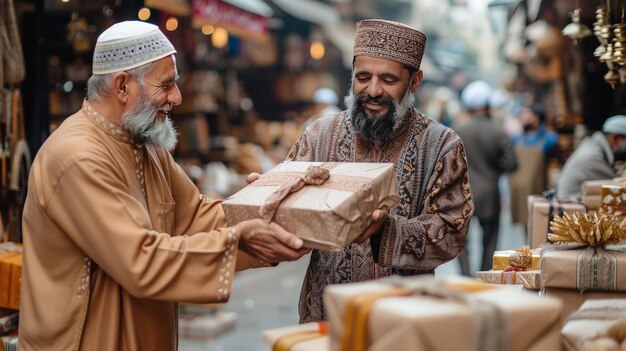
column 129, row 44
column 390, row 40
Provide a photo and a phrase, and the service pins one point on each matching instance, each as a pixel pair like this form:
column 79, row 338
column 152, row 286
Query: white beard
column 140, row 121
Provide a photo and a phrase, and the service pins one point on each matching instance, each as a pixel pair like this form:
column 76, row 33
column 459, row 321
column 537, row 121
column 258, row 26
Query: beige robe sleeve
column 197, row 213
column 92, row 205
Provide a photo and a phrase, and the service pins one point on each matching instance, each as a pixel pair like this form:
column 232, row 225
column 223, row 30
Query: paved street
column 267, row 298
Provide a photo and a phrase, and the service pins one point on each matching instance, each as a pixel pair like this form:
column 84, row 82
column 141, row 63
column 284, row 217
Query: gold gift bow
column 286, row 342
column 291, row 182
column 488, row 316
column 596, row 269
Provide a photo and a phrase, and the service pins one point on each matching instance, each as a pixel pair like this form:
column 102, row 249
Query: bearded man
column 115, row 234
column 429, row 224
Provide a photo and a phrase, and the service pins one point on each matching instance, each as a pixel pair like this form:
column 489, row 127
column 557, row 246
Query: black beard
column 372, row 128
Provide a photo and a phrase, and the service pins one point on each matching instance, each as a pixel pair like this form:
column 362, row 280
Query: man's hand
column 252, row 177
column 271, row 243
column 378, row 220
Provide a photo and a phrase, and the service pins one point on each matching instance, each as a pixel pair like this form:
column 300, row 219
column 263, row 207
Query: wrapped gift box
column 501, row 259
column 613, row 199
column 563, row 277
column 420, row 322
column 541, row 211
column 327, row 216
column 10, row 276
column 303, row 337
column 614, row 195
column 592, row 318
column 529, row 279
column 592, row 191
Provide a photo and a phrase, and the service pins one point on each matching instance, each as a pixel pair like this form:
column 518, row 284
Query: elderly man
column 429, row 225
column 595, row 158
column 115, row 234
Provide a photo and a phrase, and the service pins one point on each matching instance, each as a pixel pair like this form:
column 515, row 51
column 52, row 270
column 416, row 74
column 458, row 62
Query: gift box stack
column 328, row 205
column 587, row 262
column 514, row 267
column 541, row 211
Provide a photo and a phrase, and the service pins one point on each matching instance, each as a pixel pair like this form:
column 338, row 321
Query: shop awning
column 310, row 11
column 175, row 7
column 243, row 18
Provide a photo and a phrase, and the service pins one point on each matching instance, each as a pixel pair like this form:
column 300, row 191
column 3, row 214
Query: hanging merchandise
column 610, row 29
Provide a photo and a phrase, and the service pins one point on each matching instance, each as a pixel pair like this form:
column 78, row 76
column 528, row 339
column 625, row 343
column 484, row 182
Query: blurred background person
column 489, row 154
column 595, row 158
column 325, row 100
column 534, row 146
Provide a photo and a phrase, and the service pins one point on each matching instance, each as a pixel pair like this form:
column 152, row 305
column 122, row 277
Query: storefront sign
column 219, row 13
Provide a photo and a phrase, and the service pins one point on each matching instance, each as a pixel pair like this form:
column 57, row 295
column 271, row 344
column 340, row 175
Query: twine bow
column 315, row 175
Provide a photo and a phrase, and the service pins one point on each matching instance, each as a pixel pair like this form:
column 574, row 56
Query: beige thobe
column 114, row 236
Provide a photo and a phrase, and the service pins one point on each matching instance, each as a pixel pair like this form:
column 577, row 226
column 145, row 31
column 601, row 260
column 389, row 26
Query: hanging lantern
column 576, row 30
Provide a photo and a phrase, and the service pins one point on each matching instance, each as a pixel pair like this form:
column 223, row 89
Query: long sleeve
column 436, row 234
column 92, row 205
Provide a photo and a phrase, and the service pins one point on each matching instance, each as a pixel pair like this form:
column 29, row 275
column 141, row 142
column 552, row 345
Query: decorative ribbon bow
column 315, row 175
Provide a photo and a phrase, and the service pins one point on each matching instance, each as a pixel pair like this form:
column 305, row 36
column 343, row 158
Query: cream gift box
column 565, row 275
column 594, row 317
column 326, row 216
column 442, row 316
column 303, row 337
column 540, row 211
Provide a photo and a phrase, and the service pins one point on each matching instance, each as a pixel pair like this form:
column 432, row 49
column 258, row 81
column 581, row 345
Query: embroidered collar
column 111, row 128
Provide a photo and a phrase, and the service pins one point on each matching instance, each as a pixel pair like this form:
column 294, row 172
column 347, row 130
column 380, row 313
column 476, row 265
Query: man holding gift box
column 595, row 158
column 429, row 225
column 115, row 234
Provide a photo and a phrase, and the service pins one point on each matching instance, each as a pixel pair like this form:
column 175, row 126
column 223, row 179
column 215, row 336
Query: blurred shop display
column 15, row 155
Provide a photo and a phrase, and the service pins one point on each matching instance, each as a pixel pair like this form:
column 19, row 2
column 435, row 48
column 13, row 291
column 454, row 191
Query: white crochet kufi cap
column 615, row 125
column 476, row 95
column 127, row 45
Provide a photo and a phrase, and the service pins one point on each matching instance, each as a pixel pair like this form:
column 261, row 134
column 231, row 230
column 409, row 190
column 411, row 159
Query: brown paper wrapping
column 328, row 216
column 559, row 276
column 427, row 323
column 539, row 212
column 318, row 343
column 501, row 259
column 529, row 279
column 601, row 315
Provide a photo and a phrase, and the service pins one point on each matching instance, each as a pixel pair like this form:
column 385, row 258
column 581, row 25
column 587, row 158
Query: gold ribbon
column 285, row 343
column 355, row 336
